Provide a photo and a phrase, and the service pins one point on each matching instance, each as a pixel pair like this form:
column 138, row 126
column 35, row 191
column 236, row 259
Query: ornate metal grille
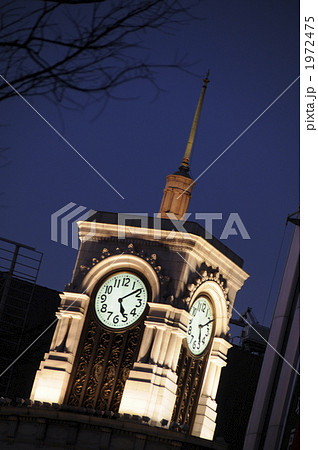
column 190, row 373
column 104, row 360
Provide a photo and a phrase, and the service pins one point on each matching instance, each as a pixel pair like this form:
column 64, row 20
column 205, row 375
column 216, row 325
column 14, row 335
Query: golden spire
column 179, row 185
column 185, row 162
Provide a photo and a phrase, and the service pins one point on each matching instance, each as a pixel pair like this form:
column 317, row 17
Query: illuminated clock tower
column 142, row 327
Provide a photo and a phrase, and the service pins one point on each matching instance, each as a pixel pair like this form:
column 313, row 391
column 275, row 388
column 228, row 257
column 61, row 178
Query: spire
column 179, row 185
column 184, row 167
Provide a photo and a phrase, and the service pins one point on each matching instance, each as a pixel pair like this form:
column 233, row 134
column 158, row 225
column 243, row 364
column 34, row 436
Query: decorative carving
column 82, row 369
column 152, row 260
column 105, row 360
column 131, row 248
column 190, row 287
column 84, row 270
column 105, row 253
column 110, row 373
column 193, row 395
column 127, row 362
column 190, row 373
column 96, row 371
column 107, row 386
column 207, row 273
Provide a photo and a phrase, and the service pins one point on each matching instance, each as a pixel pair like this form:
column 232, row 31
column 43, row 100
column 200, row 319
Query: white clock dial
column 121, row 300
column 200, row 326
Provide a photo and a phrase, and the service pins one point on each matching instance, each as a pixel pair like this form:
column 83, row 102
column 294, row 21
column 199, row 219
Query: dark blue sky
column 252, row 51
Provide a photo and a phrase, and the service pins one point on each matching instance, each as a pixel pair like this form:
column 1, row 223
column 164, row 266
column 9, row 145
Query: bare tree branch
column 57, row 48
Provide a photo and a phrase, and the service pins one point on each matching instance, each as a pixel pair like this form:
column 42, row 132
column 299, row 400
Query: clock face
column 121, row 300
column 200, row 326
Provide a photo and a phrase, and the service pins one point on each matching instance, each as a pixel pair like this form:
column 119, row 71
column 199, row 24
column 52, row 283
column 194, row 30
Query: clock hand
column 121, row 308
column 212, row 320
column 131, row 293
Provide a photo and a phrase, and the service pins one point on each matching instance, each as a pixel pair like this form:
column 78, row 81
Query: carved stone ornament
column 104, row 364
column 152, row 260
column 206, row 273
column 190, row 377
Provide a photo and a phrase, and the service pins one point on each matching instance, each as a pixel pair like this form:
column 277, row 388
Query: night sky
column 252, row 51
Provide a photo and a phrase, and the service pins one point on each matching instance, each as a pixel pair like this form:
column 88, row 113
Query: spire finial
column 179, row 185
column 185, row 162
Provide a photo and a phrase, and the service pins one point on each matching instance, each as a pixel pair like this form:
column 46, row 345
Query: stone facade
column 32, row 427
column 178, row 268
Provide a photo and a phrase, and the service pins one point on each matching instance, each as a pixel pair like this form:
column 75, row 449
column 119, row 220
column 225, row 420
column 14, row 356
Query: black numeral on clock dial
column 121, row 300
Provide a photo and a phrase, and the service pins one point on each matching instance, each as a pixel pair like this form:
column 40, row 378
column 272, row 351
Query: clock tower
column 142, row 327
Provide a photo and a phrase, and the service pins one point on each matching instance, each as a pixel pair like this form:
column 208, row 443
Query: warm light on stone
column 52, row 378
column 143, row 365
column 50, row 385
column 151, row 387
column 176, row 196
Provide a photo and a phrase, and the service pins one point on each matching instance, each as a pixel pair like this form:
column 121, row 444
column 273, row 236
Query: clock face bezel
column 100, row 284
column 207, row 348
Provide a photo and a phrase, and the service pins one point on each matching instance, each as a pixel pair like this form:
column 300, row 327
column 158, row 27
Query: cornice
column 184, row 243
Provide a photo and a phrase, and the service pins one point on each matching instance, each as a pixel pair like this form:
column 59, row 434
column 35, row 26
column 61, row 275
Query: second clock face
column 200, row 326
column 121, row 300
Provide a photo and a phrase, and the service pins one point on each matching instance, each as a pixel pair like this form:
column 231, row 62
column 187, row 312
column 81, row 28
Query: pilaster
column 151, row 387
column 205, row 418
column 52, row 378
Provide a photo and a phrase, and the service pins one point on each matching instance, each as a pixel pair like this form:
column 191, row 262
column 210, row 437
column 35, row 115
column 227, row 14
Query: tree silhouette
column 58, row 48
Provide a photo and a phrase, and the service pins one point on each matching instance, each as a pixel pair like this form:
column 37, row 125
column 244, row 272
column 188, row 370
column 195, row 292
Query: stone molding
column 43, row 426
column 151, row 387
column 117, row 262
column 129, row 250
column 216, row 292
column 205, row 418
column 183, row 242
column 52, row 377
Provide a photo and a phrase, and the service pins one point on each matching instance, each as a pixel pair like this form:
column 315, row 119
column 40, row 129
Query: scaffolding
column 19, row 269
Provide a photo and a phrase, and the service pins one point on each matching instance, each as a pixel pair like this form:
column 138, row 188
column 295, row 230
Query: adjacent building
column 274, row 420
